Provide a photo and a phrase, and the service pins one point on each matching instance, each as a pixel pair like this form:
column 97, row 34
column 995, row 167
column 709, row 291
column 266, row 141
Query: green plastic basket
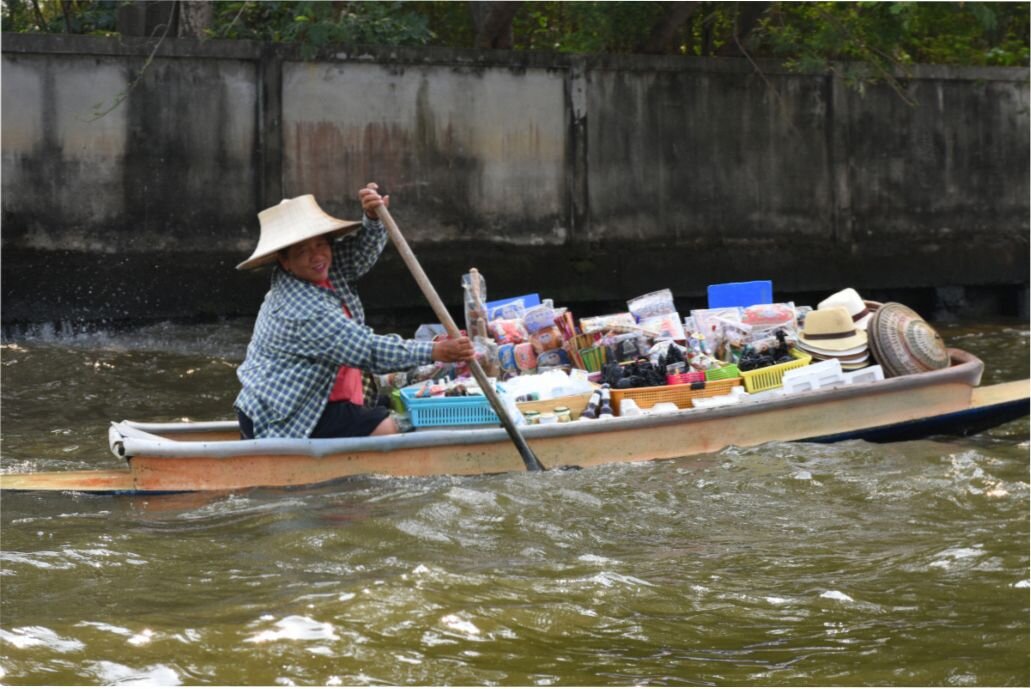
column 723, row 373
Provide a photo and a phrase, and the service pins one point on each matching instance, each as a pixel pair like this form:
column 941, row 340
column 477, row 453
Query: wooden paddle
column 529, row 458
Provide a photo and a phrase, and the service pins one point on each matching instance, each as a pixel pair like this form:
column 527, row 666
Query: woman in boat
column 302, row 377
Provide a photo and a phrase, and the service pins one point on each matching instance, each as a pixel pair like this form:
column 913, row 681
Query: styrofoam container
column 823, row 374
column 664, row 408
column 869, row 374
column 717, row 401
column 629, row 408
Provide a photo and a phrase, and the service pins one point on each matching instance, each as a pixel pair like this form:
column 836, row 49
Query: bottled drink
column 605, row 410
column 591, row 412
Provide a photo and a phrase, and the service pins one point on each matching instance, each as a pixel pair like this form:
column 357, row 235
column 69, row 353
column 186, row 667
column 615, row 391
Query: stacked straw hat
column 830, row 333
column 858, row 309
column 904, row 343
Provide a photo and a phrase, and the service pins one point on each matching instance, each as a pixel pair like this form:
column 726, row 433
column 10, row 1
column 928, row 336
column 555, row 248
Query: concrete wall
column 589, row 179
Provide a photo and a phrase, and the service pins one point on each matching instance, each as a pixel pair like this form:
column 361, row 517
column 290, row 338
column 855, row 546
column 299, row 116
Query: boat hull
column 210, row 457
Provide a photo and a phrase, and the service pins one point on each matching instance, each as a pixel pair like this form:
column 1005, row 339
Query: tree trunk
column 39, row 16
column 660, row 39
column 748, row 15
column 195, row 18
column 493, row 23
column 66, row 9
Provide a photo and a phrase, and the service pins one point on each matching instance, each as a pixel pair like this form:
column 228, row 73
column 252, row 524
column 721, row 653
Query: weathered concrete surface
column 588, row 179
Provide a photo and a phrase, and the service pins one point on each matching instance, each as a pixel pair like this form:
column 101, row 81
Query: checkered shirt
column 302, row 338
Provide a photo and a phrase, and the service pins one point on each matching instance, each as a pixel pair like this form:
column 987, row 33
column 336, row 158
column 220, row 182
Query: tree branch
column 660, row 39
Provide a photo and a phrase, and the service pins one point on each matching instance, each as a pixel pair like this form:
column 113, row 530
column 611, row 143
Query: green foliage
column 585, row 27
column 811, row 36
column 808, row 36
column 96, row 17
column 315, row 25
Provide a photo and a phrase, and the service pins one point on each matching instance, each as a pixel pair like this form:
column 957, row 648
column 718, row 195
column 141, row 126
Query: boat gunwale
column 128, row 438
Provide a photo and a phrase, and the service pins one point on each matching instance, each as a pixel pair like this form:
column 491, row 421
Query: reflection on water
column 899, row 564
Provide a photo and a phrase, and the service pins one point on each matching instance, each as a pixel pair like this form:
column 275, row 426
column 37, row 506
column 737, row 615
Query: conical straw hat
column 289, row 222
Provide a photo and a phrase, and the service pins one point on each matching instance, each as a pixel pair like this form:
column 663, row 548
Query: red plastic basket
column 689, row 377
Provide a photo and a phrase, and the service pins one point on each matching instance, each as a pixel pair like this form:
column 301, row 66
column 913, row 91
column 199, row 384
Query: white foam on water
column 610, row 579
column 952, row 556
column 837, row 595
column 463, row 627
column 802, row 476
column 599, row 559
column 142, row 639
column 776, row 600
column 472, row 497
column 1026, row 583
column 296, row 628
column 123, row 675
column 27, row 637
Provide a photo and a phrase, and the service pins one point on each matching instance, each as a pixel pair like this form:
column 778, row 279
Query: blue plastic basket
column 449, row 411
column 740, row 294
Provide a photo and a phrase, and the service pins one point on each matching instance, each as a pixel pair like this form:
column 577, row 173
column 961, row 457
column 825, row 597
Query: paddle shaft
column 529, row 458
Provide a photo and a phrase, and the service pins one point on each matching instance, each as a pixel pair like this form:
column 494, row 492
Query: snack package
column 627, row 347
column 653, row 304
column 526, row 357
column 539, row 317
column 430, row 331
column 779, row 315
column 553, row 358
column 546, row 339
column 512, row 307
column 507, row 359
column 665, row 326
column 508, row 331
column 595, row 324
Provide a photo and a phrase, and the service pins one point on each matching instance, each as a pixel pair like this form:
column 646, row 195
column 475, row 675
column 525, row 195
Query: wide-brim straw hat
column 853, row 303
column 289, row 222
column 832, row 330
column 850, row 356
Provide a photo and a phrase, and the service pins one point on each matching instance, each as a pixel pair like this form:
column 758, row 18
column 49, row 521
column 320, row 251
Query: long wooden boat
column 183, row 457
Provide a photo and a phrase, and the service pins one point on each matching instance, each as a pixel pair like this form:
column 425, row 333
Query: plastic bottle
column 591, row 412
column 605, row 410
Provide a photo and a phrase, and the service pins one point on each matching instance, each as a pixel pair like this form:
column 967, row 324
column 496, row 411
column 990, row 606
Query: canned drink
column 562, row 414
column 533, row 418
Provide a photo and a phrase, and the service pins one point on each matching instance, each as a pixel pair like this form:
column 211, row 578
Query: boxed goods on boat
column 649, row 355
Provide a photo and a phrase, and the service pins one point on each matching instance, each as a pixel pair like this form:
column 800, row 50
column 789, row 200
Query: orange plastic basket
column 680, row 395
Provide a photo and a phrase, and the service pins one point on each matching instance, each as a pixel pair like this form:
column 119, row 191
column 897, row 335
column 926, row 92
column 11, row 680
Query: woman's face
column 308, row 260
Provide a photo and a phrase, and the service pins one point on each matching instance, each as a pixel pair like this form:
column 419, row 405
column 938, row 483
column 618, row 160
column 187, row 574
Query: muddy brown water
column 786, row 564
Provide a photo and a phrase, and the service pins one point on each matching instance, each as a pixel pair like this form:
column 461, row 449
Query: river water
column 850, row 564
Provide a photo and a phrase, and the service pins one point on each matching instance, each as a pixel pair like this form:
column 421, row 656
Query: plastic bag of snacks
column 594, row 324
column 667, row 325
column 546, row 339
column 653, row 304
column 508, row 331
column 776, row 315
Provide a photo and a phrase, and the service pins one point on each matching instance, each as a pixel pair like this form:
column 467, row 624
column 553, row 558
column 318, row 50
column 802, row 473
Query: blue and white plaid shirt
column 302, row 338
